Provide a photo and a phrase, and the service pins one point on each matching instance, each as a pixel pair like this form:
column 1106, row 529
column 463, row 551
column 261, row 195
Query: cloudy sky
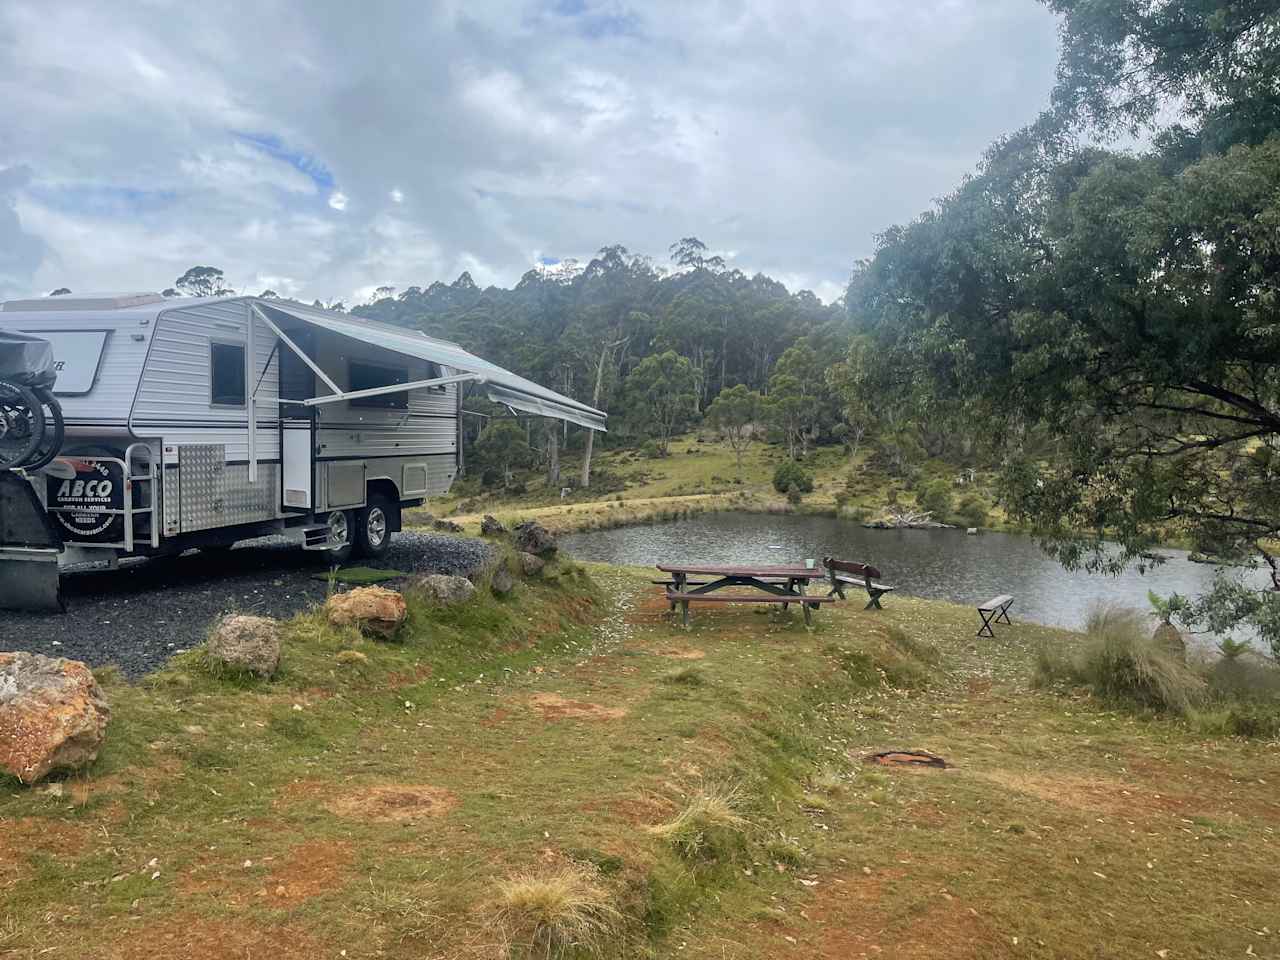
column 322, row 147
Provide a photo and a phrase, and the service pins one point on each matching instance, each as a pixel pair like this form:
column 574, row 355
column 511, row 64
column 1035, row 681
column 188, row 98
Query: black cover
column 26, row 361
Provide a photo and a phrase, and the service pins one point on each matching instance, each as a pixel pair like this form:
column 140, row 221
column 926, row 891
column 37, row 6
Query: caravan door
column 297, row 463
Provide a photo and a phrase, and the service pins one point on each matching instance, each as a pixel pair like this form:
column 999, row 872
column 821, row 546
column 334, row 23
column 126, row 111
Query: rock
column 972, row 531
column 446, row 526
column 373, row 610
column 491, row 526
column 501, row 582
column 246, row 643
column 1168, row 637
column 531, row 565
column 445, row 590
column 533, row 537
column 53, row 715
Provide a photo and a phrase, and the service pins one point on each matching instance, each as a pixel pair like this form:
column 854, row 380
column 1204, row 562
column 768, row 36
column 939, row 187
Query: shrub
column 794, row 496
column 650, row 450
column 547, row 914
column 936, row 498
column 973, row 510
column 1120, row 660
column 789, row 476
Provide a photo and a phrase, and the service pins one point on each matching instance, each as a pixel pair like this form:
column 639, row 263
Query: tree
column 734, row 413
column 502, row 446
column 851, row 381
column 660, row 390
column 203, row 282
column 383, row 293
column 269, row 294
column 60, row 292
column 169, row 292
column 1110, row 319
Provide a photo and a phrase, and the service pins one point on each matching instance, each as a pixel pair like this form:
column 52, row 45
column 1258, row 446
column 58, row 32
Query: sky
column 322, row 148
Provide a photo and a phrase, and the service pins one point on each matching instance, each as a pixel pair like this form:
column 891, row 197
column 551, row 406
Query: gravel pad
column 141, row 614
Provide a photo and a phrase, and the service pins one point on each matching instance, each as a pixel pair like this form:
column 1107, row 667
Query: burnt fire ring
column 907, row 758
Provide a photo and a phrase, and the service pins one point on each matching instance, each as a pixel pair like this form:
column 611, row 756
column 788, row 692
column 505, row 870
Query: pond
column 938, row 564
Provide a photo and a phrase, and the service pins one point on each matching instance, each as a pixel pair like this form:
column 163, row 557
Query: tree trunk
column 553, row 455
column 595, row 402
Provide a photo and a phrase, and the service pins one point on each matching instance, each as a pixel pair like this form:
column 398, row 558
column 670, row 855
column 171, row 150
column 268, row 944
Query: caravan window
column 226, row 361
column 366, row 376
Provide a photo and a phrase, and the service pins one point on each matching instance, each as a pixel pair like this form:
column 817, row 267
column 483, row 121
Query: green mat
column 359, row 575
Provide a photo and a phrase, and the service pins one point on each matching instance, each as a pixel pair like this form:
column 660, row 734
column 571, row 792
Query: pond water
column 938, row 564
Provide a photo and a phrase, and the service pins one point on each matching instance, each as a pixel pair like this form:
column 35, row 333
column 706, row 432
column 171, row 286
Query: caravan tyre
column 341, row 525
column 373, row 528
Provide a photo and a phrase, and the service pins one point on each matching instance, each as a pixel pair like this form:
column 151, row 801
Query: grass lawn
column 571, row 763
column 699, row 475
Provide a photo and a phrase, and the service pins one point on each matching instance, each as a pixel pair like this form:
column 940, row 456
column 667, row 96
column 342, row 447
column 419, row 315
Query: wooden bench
column 847, row 573
column 995, row 610
column 684, row 599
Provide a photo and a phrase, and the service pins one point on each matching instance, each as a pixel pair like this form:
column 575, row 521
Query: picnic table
column 778, row 583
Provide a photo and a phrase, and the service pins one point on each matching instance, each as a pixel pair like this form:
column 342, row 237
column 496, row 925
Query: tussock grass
column 549, row 914
column 1119, row 660
column 709, row 826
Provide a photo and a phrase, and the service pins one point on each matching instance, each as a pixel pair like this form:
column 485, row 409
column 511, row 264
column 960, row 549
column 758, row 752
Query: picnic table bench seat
column 844, row 573
column 809, row 604
column 995, row 610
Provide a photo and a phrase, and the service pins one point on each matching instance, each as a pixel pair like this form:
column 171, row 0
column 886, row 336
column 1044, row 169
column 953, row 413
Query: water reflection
column 940, row 564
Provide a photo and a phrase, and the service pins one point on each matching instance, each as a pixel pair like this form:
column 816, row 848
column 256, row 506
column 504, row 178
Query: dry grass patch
column 391, row 803
column 709, row 825
column 552, row 706
column 547, row 914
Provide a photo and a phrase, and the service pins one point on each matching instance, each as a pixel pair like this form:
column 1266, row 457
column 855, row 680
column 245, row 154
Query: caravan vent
column 86, row 301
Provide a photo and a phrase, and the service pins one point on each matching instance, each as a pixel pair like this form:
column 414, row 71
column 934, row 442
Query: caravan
column 202, row 422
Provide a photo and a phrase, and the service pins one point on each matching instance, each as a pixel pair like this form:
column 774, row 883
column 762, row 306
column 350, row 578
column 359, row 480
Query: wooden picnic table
column 780, row 583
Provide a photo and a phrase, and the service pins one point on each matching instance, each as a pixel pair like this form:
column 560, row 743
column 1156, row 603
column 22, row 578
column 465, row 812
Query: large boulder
column 446, row 526
column 533, row 537
column 53, row 715
column 531, row 565
column 446, row 591
column 491, row 526
column 246, row 643
column 376, row 611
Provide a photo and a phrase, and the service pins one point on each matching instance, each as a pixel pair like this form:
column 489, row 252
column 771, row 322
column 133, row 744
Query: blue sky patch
column 102, row 200
column 305, row 164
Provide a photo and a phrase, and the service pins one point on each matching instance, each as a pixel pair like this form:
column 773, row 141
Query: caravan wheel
column 373, row 527
column 340, row 524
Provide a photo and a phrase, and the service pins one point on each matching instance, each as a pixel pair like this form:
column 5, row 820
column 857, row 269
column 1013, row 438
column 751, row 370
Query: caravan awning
column 501, row 386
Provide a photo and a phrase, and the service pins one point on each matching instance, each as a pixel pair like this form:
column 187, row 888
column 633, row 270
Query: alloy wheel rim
column 376, row 526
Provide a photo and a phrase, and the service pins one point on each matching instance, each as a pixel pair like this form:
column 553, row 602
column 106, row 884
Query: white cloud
column 787, row 131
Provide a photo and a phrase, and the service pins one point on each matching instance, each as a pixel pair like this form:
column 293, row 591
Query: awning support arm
column 394, row 388
column 315, row 368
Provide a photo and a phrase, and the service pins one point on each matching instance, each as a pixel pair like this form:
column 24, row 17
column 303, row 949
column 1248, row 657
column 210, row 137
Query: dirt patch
column 196, row 938
column 309, row 869
column 1090, row 795
column 643, row 811
column 38, row 835
column 391, row 803
column 678, row 654
column 552, row 706
column 409, row 678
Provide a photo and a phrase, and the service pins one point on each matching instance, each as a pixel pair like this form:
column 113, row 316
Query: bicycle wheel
column 21, row 425
column 54, row 431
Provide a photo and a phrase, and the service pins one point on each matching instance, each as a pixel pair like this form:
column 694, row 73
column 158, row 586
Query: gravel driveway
column 141, row 614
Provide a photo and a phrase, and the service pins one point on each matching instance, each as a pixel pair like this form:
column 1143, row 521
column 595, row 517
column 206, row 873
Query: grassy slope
column 374, row 807
column 695, row 478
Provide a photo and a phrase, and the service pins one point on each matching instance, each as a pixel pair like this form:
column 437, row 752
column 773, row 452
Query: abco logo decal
column 97, row 487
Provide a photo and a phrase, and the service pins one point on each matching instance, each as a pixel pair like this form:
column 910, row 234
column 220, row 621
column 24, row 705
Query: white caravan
column 201, row 422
